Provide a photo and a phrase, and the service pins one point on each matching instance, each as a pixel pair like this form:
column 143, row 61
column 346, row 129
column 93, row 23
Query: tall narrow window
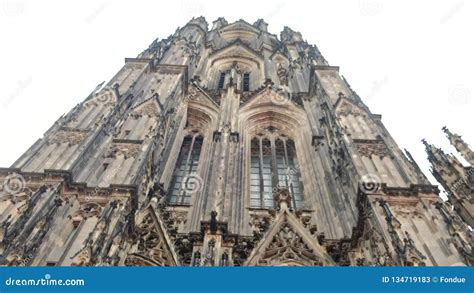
column 293, row 174
column 267, row 200
column 186, row 168
column 261, row 187
column 274, row 167
column 221, row 81
column 256, row 185
column 246, row 82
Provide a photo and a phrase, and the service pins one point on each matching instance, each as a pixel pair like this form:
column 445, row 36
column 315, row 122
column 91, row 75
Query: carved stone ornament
column 368, row 148
column 288, row 242
column 347, row 109
column 149, row 109
column 127, row 150
column 68, row 135
column 151, row 247
column 282, row 75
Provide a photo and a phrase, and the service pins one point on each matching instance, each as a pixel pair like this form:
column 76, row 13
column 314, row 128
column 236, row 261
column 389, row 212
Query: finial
column 213, row 224
column 425, row 142
column 282, row 198
column 446, row 130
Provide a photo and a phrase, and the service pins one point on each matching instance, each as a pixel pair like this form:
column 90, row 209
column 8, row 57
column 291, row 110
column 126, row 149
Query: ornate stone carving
column 70, row 136
column 346, row 109
column 149, row 109
column 282, row 75
column 260, row 223
column 368, row 148
column 287, row 247
column 151, row 244
column 127, row 150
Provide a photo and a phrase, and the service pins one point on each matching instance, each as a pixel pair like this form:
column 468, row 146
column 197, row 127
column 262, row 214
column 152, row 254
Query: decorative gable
column 288, row 242
column 237, row 50
column 345, row 107
column 149, row 107
column 152, row 246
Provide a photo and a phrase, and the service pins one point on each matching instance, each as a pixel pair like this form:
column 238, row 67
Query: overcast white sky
column 410, row 61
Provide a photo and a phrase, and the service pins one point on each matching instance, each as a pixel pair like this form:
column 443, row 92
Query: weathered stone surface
column 230, row 147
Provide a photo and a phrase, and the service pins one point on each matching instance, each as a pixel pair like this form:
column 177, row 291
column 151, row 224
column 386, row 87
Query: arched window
column 221, row 81
column 246, row 82
column 236, row 74
column 183, row 179
column 273, row 166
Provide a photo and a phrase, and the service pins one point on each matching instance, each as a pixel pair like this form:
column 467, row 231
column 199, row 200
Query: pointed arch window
column 246, row 82
column 185, row 170
column 273, row 166
column 221, row 80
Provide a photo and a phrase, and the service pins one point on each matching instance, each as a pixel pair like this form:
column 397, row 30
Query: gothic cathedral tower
column 226, row 147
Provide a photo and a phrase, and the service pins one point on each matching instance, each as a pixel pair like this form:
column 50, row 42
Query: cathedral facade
column 230, row 146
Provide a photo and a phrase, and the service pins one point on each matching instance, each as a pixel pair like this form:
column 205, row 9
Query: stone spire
column 455, row 179
column 461, row 146
column 218, row 23
column 261, row 25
